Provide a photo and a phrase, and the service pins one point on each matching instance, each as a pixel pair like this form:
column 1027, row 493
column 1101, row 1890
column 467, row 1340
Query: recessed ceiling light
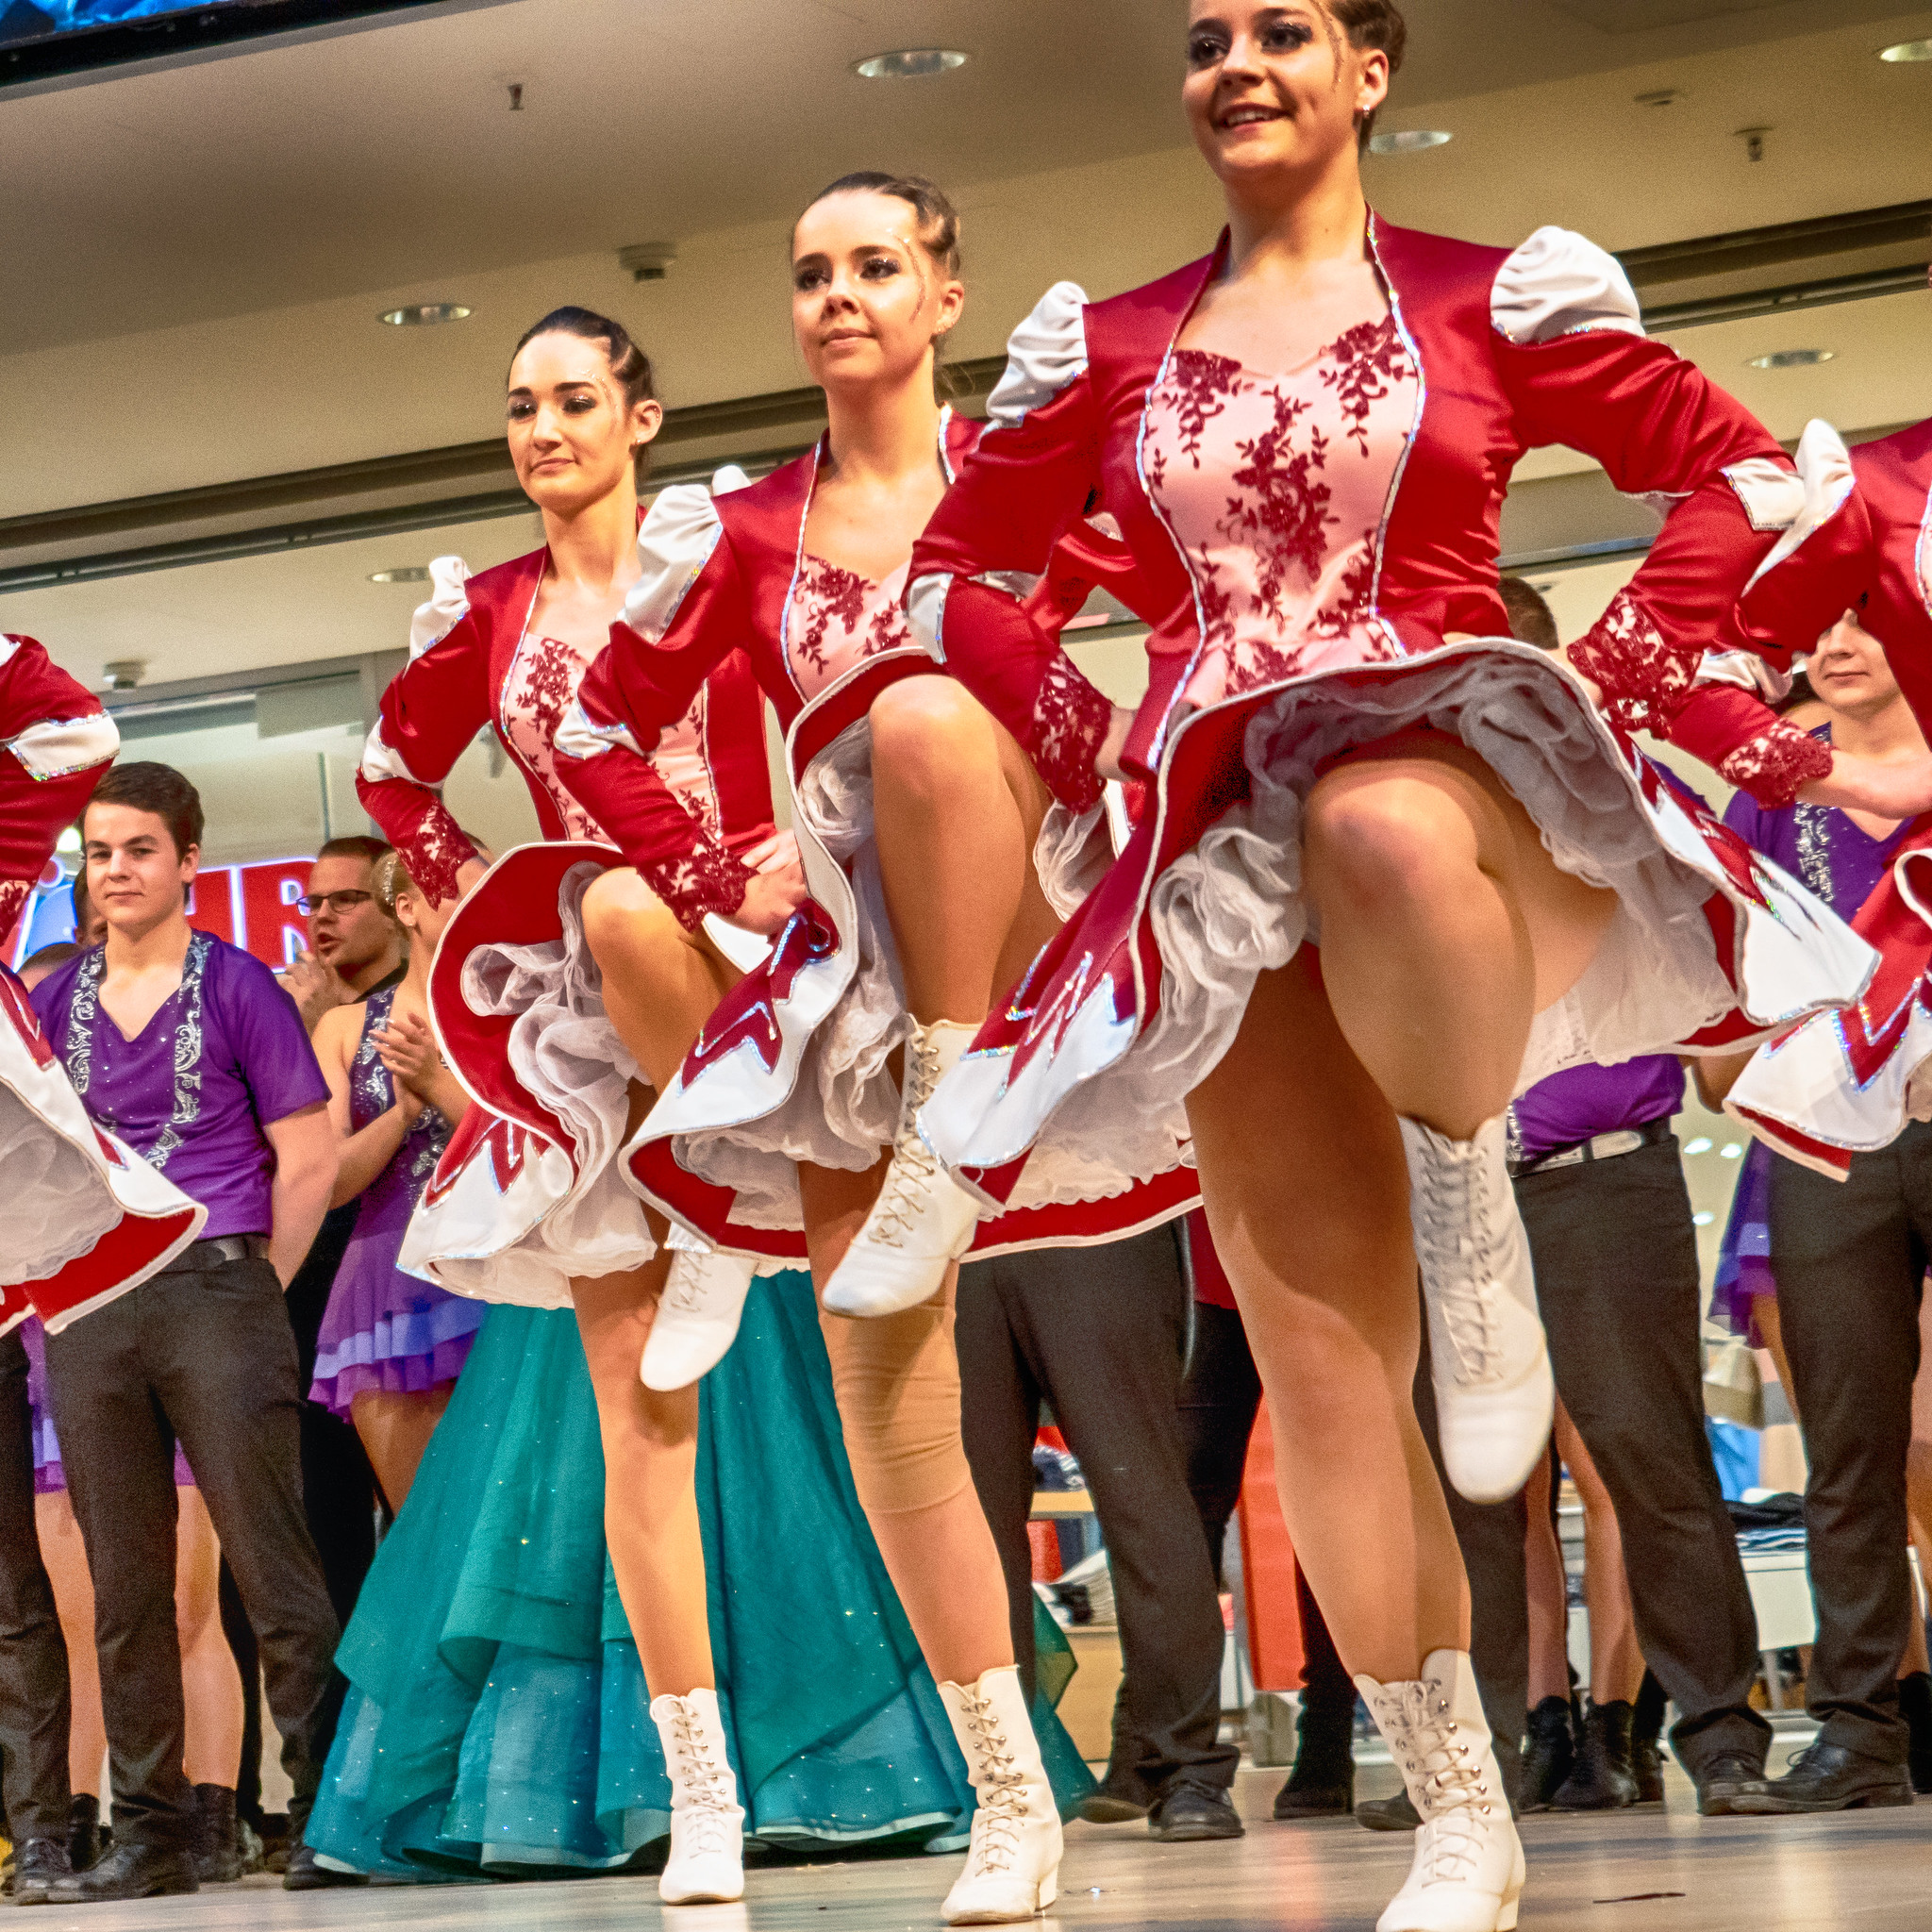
column 910, row 63
column 1793, row 359
column 419, row 313
column 1409, row 141
column 1907, row 50
column 1659, row 97
column 403, row 574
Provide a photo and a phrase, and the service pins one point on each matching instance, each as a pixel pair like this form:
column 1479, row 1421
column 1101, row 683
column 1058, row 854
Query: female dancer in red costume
column 1305, row 439
column 526, row 1204
column 87, row 1218
column 916, row 815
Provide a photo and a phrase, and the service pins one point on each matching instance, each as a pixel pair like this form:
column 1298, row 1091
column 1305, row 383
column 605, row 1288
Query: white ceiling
column 196, row 257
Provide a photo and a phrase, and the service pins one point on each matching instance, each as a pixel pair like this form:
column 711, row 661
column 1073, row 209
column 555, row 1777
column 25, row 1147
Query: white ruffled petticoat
column 1232, row 906
column 568, row 1055
column 842, row 1111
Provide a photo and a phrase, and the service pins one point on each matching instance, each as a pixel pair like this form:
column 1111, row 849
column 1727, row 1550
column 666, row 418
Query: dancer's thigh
column 1425, row 788
column 1304, row 1183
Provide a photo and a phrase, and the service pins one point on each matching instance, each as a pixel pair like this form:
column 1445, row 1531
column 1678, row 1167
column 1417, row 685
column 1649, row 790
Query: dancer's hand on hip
column 772, row 896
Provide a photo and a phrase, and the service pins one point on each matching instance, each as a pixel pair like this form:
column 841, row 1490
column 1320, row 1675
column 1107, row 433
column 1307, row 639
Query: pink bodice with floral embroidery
column 1276, row 487
column 541, row 688
column 835, row 619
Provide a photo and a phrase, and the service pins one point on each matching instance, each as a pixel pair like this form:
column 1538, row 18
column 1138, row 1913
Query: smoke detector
column 124, row 674
column 647, row 261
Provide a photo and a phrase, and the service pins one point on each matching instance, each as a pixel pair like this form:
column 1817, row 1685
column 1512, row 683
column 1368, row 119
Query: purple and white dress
column 383, row 1329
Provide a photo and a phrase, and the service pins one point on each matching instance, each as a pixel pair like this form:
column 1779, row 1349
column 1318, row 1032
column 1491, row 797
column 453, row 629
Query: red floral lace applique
column 704, row 879
column 827, row 591
column 1773, row 766
column 435, row 850
column 12, row 897
column 1200, row 383
column 1643, row 678
column 1070, row 724
column 888, row 630
column 1350, row 602
column 1363, row 366
column 1282, row 511
column 549, row 686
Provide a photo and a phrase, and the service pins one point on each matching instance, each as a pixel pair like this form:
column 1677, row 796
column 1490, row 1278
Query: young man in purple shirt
column 187, row 1048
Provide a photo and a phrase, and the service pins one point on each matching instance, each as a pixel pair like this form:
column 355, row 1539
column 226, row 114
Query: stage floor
column 1674, row 1872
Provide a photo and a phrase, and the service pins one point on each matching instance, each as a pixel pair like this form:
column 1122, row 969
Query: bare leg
column 897, row 1380
column 1445, row 926
column 1764, row 1312
column 1549, row 1607
column 65, row 1556
column 396, row 1429
column 957, row 806
column 650, row 1493
column 1307, row 1194
column 1616, row 1664
column 210, row 1684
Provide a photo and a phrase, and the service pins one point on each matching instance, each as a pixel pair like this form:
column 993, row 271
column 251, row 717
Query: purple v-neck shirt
column 224, row 1057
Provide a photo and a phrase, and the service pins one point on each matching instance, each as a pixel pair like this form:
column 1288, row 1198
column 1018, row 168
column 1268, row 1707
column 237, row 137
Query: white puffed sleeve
column 1559, row 282
column 675, row 543
column 1043, row 355
column 448, row 604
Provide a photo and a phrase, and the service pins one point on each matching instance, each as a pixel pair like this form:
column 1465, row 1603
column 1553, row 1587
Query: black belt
column 1599, row 1147
column 200, row 1258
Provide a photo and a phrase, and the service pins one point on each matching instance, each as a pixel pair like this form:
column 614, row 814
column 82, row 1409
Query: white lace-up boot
column 1012, row 1865
column 922, row 1220
column 697, row 1317
column 1468, row 1873
column 1494, row 1393
column 706, row 1862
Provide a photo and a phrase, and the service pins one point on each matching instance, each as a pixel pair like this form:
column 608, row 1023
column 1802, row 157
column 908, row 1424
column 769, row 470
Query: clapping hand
column 408, row 1048
column 317, row 989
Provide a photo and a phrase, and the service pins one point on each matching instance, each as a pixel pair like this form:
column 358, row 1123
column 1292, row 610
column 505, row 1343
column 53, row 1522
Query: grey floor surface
column 1669, row 1871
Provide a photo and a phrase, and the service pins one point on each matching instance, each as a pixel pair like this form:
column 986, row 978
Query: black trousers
column 1098, row 1334
column 33, row 1658
column 206, row 1356
column 1616, row 1275
column 1220, row 1395
column 1851, row 1259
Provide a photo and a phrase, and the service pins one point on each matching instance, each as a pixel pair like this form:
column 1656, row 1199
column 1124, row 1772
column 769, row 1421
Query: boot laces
column 1455, row 1235
column 1002, row 1788
column 684, row 1290
column 913, row 1166
column 704, row 1783
column 1445, row 1777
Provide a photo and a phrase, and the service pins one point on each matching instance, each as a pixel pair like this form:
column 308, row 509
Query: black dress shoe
column 1189, row 1809
column 306, row 1872
column 36, row 1867
column 87, row 1837
column 1828, row 1777
column 1915, row 1707
column 131, row 1870
column 1603, row 1780
column 1723, row 1780
column 1549, row 1754
column 1330, row 1795
column 1388, row 1814
column 217, row 1848
column 1111, row 1808
column 1647, row 1767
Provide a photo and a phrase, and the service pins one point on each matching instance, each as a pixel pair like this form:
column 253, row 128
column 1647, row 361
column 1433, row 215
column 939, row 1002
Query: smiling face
column 136, row 879
column 1849, row 671
column 868, row 300
column 1275, row 90
column 572, row 437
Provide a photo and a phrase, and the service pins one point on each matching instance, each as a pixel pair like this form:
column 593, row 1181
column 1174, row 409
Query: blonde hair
column 392, row 881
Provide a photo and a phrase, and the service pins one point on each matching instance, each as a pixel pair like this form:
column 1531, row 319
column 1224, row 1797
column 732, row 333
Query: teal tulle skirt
column 497, row 1718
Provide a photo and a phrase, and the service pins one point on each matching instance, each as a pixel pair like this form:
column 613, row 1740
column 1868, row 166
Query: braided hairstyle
column 630, row 368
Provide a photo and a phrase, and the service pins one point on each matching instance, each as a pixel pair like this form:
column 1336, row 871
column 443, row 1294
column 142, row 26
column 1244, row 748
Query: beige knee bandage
column 897, row 1381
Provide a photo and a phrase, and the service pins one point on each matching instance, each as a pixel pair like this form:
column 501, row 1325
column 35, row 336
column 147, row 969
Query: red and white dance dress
column 1847, row 1082
column 1322, row 545
column 87, row 1218
column 794, row 1066
column 529, row 1192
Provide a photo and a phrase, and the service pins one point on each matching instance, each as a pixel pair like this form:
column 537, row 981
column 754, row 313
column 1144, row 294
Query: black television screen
column 42, row 39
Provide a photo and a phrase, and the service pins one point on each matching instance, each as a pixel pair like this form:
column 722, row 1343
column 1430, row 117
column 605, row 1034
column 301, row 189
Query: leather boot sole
column 1775, row 1805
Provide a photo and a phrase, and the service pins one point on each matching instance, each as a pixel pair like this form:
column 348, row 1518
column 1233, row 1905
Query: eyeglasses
column 336, row 902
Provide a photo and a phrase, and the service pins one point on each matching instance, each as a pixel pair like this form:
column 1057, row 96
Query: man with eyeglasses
column 354, row 948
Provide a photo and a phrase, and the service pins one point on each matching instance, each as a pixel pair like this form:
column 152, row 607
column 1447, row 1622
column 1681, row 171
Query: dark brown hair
column 1372, row 24
column 160, row 789
column 353, row 845
column 630, row 368
column 1531, row 620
